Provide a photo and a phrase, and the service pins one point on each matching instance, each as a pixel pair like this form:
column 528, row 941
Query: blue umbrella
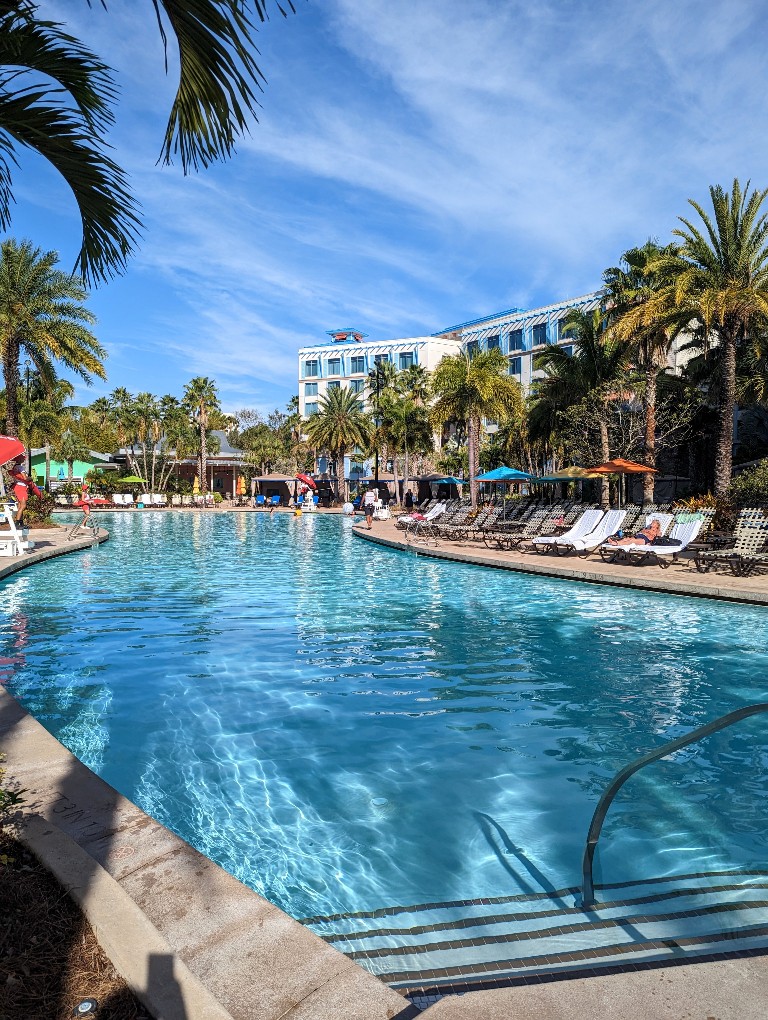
column 449, row 480
column 504, row 474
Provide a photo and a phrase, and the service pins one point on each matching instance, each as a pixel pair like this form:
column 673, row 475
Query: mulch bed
column 49, row 957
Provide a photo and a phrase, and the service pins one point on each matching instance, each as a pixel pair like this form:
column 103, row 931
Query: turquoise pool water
column 346, row 727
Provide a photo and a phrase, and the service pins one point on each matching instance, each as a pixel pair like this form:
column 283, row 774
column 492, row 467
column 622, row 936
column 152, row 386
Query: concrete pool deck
column 194, row 943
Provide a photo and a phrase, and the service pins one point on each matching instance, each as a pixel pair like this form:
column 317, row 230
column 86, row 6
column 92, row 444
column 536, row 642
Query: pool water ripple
column 347, row 727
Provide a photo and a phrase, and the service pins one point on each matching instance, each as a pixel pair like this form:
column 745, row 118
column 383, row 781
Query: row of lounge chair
column 567, row 529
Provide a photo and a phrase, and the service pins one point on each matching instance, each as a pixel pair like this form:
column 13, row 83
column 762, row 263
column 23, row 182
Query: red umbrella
column 307, row 481
column 10, row 449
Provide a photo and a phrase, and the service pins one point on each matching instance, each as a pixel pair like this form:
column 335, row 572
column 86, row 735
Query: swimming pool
column 352, row 730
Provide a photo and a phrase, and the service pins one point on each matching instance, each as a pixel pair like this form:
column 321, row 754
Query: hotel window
column 406, row 360
column 493, row 343
column 334, row 366
column 562, row 332
column 310, row 389
column 310, row 409
column 540, row 333
column 334, row 385
column 515, row 366
column 516, row 340
column 568, row 350
column 379, row 358
column 357, row 385
column 311, row 368
column 471, row 349
column 358, row 365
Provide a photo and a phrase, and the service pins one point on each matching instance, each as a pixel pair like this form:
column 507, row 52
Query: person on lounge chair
column 643, row 537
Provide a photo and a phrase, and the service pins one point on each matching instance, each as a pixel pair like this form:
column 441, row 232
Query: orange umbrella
column 619, row 466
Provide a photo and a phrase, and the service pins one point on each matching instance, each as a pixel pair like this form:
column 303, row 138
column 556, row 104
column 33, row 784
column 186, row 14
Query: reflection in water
column 346, row 727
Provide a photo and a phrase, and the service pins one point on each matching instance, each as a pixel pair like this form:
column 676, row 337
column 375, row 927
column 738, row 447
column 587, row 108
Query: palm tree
column 201, row 399
column 717, row 284
column 591, row 374
column 56, row 97
column 43, row 316
column 338, row 426
column 69, row 448
column 470, row 389
column 627, row 288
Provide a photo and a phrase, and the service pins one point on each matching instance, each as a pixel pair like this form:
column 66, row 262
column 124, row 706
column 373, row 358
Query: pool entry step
column 443, row 948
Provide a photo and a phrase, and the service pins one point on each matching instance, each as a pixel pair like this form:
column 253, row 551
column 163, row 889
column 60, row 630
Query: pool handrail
column 595, row 827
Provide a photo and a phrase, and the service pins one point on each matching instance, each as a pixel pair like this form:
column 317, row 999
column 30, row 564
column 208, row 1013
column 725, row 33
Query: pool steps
column 442, row 948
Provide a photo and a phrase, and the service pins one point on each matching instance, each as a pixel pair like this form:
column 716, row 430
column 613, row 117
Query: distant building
column 520, row 334
column 348, row 357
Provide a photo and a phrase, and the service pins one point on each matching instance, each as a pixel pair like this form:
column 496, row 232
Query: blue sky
column 415, row 165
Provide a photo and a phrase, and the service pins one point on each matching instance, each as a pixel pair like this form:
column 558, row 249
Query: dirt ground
column 50, row 960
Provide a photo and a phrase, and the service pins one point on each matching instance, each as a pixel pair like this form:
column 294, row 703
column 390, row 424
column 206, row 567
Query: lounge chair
column 750, row 538
column 159, row 499
column 424, row 529
column 586, row 523
column 608, row 525
column 176, row 499
column 682, row 534
column 14, row 541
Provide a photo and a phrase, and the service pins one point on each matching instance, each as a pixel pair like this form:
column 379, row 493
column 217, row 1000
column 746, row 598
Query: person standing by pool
column 22, row 486
column 369, row 504
column 408, row 500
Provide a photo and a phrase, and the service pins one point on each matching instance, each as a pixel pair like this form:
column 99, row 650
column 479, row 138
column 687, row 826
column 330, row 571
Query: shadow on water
column 498, row 840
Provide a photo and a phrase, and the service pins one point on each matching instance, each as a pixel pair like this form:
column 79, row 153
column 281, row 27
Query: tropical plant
column 750, row 486
column 42, row 315
column 339, row 426
column 201, row 399
column 56, row 97
column 69, row 448
column 592, row 377
column 717, row 286
column 627, row 288
column 470, row 389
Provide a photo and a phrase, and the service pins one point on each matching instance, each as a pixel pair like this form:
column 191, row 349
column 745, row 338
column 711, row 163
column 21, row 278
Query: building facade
column 520, row 334
column 349, row 356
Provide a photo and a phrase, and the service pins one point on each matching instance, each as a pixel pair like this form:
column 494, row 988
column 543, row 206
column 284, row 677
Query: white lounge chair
column 159, row 499
column 586, row 523
column 682, row 534
column 13, row 542
column 176, row 499
column 583, row 546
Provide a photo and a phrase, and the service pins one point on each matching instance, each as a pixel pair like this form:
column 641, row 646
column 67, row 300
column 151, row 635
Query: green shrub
column 39, row 509
column 217, row 497
column 750, row 488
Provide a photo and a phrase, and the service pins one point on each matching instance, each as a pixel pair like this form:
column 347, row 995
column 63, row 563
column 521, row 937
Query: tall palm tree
column 470, row 389
column 201, row 399
column 69, row 448
column 56, row 97
column 627, row 288
column 339, row 426
column 42, row 315
column 718, row 280
column 590, row 373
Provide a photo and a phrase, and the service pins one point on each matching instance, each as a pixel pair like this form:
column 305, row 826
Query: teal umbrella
column 448, row 480
column 504, row 474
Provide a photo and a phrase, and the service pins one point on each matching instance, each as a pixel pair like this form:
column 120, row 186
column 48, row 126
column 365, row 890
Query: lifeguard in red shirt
column 22, row 485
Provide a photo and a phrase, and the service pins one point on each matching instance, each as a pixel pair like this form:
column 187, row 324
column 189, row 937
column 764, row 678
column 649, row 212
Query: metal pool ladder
column 587, row 883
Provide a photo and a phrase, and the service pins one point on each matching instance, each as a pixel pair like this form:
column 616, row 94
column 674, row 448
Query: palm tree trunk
column 341, row 480
column 203, row 458
column 406, row 470
column 473, row 435
column 11, row 377
column 47, row 467
column 605, row 453
column 724, row 450
column 649, row 455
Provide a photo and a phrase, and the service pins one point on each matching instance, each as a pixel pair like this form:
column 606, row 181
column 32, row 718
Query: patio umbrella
column 10, row 449
column 449, row 480
column 504, row 476
column 619, row 466
column 133, row 480
column 241, row 485
column 196, row 486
